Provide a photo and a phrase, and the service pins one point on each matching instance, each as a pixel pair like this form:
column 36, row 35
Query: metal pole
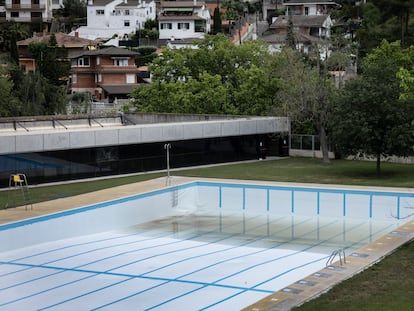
column 167, row 147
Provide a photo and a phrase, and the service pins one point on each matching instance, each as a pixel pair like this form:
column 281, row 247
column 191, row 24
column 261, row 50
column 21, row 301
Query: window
column 130, row 78
column 82, row 61
column 126, row 23
column 36, row 15
column 184, row 26
column 166, row 26
column 35, row 2
column 306, row 10
column 14, row 14
column 126, row 12
column 98, row 60
column 100, row 12
column 74, row 78
column 121, row 62
column 99, row 77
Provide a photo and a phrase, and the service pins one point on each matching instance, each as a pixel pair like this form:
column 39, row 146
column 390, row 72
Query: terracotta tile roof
column 61, row 39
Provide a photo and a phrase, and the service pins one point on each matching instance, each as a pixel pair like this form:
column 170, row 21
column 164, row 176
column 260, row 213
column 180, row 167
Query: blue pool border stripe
column 86, row 208
column 220, row 186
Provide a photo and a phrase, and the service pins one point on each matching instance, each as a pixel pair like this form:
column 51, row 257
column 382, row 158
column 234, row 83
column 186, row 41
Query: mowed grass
column 388, row 285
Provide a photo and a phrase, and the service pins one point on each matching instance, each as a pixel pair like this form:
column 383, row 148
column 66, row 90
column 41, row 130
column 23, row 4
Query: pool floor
column 200, row 261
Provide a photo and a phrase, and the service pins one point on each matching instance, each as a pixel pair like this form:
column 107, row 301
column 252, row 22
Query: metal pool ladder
column 340, row 252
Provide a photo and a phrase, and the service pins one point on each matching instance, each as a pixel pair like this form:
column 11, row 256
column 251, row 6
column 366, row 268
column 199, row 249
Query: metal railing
column 338, row 252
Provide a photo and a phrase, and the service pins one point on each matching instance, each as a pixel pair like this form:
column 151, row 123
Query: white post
column 167, row 147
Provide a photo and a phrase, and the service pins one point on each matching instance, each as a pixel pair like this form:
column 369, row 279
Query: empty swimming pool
column 198, row 246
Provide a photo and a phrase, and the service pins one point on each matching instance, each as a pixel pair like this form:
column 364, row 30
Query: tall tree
column 305, row 94
column 370, row 117
column 217, row 27
column 9, row 104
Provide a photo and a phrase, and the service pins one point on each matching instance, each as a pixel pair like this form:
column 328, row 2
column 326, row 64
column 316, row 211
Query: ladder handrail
column 337, row 252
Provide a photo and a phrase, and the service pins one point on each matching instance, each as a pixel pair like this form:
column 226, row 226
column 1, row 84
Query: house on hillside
column 107, row 73
column 310, row 7
column 183, row 19
column 29, row 11
column 311, row 32
column 72, row 44
column 106, row 18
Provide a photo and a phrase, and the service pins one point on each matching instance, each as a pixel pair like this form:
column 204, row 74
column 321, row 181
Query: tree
column 51, row 61
column 290, row 36
column 39, row 97
column 305, row 94
column 370, row 117
column 217, row 27
column 9, row 104
column 72, row 13
column 179, row 73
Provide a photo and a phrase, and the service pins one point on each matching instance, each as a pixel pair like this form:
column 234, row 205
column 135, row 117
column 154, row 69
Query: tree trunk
column 324, row 144
column 378, row 168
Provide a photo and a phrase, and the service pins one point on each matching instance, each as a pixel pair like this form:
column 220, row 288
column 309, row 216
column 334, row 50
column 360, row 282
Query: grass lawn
column 388, row 285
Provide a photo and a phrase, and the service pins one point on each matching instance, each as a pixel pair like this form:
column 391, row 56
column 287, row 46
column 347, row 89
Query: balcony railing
column 25, row 6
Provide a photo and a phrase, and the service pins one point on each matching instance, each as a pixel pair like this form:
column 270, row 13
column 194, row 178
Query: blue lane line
column 143, row 275
column 118, row 254
column 82, row 253
column 281, row 274
column 268, row 261
column 275, row 277
column 243, row 270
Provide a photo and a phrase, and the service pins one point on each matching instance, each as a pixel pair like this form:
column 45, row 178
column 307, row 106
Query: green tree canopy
column 370, row 117
column 231, row 79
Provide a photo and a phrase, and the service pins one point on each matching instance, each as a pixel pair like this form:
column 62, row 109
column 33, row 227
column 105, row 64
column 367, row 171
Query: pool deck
column 291, row 296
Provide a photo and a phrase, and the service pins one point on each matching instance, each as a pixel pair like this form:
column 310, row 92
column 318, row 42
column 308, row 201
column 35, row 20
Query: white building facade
column 26, row 11
column 183, row 19
column 106, row 18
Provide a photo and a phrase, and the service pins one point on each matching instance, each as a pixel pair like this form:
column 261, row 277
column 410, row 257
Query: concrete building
column 52, row 148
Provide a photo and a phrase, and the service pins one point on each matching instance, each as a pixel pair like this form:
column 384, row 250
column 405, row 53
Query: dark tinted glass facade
column 123, row 159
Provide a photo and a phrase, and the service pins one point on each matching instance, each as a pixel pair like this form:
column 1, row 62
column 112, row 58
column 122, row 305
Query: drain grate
column 292, row 290
column 359, row 255
column 306, row 282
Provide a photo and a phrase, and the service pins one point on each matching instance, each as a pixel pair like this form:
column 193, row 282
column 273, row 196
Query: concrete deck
column 293, row 295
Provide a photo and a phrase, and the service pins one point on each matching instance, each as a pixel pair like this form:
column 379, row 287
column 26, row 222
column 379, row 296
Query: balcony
column 25, row 6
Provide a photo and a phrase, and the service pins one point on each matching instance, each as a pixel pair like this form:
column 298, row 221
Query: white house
column 183, row 19
column 26, row 11
column 106, row 18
